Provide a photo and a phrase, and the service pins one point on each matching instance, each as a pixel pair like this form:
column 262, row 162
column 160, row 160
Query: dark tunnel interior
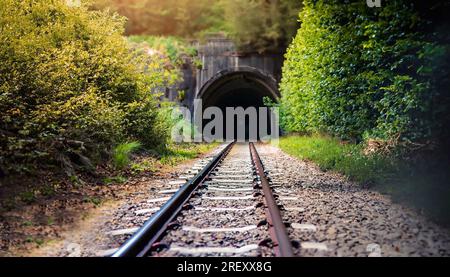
column 240, row 91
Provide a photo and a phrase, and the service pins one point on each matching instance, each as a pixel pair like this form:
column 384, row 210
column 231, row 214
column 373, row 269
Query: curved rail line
column 140, row 244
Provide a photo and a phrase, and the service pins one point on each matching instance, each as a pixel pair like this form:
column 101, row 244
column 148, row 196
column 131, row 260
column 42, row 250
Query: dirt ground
column 56, row 225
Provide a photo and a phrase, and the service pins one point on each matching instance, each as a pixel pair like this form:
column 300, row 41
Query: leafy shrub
column 71, row 86
column 363, row 73
column 172, row 47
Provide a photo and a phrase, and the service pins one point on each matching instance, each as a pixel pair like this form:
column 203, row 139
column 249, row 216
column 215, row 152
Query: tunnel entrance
column 242, row 89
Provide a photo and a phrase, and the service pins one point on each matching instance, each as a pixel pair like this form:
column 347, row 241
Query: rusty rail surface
column 282, row 243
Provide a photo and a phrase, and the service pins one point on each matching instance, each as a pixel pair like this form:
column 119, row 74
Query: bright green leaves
column 68, row 75
column 357, row 73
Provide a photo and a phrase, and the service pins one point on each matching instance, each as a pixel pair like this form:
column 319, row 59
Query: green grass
column 176, row 153
column 167, row 155
column 27, row 223
column 331, row 154
column 28, row 196
column 50, row 221
column 144, row 165
column 48, row 190
column 115, row 180
column 122, row 152
column 93, row 200
column 420, row 181
column 37, row 241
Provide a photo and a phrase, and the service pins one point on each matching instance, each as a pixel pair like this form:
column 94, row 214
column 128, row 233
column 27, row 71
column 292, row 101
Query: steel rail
column 139, row 245
column 282, row 243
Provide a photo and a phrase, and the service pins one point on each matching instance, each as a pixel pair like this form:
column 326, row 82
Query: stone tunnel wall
column 216, row 56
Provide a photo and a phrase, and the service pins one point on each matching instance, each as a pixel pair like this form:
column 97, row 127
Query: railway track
column 226, row 208
column 221, row 206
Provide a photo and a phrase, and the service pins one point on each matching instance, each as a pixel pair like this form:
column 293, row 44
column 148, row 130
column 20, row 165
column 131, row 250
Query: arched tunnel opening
column 246, row 90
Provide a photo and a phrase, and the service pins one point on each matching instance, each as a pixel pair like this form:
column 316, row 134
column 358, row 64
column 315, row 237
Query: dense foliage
column 256, row 25
column 361, row 73
column 262, row 25
column 176, row 49
column 71, row 87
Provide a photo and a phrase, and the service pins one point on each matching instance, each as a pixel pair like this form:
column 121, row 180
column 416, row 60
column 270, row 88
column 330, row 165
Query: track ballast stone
column 348, row 220
column 225, row 216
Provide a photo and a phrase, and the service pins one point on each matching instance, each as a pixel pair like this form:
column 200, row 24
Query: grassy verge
column 169, row 156
column 181, row 152
column 331, row 154
column 420, row 182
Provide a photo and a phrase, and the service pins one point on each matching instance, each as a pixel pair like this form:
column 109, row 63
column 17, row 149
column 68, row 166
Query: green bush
column 173, row 47
column 71, row 86
column 363, row 73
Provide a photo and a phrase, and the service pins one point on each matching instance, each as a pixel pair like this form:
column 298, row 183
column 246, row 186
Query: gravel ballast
column 348, row 220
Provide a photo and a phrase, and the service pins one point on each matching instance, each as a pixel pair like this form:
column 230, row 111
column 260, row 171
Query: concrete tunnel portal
column 241, row 87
